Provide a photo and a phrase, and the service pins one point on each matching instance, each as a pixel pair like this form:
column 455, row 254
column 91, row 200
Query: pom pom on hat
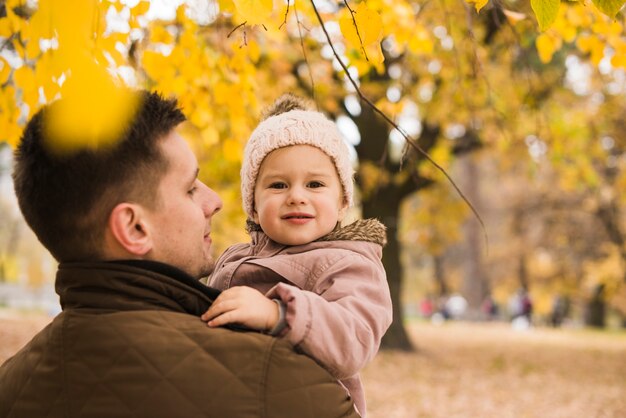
column 295, row 126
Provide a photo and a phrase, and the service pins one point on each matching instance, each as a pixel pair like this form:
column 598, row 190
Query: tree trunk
column 595, row 314
column 440, row 277
column 383, row 202
column 385, row 207
column 474, row 277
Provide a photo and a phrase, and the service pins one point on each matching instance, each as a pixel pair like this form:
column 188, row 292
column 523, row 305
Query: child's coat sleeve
column 341, row 327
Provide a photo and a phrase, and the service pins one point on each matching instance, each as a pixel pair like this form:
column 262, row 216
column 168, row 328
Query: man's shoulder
column 147, row 359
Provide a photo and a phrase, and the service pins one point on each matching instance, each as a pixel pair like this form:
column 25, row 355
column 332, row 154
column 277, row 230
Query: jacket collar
column 131, row 285
column 368, row 230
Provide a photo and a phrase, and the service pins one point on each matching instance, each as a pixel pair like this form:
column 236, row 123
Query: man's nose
column 212, row 203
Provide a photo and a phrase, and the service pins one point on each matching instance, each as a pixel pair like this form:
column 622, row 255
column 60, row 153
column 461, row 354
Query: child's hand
column 242, row 305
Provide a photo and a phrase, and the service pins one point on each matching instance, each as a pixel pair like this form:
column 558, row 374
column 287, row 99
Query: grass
column 471, row 371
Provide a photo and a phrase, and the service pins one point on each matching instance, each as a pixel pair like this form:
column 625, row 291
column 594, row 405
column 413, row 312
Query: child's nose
column 296, row 196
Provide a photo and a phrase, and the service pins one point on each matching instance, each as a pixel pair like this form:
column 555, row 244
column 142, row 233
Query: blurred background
column 513, row 226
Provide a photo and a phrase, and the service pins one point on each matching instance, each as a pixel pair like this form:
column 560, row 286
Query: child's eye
column 315, row 184
column 278, row 185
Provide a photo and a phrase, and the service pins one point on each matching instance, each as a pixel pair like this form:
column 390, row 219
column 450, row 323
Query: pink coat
column 335, row 290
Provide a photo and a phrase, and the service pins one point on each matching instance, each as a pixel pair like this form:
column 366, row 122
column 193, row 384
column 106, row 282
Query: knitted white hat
column 296, row 127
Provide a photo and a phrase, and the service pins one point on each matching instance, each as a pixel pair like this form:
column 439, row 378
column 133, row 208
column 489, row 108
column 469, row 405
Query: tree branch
column 409, row 141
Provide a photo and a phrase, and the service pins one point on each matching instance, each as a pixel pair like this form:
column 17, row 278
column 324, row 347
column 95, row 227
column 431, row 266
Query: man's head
column 110, row 203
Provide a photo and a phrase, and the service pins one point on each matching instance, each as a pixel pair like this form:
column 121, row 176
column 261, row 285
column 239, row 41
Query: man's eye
column 315, row 184
column 192, row 190
column 278, row 185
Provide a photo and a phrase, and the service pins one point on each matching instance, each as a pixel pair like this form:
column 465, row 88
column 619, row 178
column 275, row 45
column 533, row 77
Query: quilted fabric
column 129, row 343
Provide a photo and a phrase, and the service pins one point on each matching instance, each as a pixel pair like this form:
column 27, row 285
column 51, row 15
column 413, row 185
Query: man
column 130, row 226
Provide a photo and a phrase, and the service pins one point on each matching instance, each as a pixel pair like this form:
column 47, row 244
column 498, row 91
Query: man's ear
column 128, row 227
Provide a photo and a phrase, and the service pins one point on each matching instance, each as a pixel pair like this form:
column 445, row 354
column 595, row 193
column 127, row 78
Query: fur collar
column 369, row 230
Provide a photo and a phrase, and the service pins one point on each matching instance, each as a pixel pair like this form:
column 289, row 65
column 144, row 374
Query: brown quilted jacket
column 129, row 343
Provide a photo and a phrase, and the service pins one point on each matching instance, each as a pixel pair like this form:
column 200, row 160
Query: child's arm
column 341, row 327
column 245, row 306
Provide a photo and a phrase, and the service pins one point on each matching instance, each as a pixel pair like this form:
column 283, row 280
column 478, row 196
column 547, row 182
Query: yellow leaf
column 16, row 23
column 72, row 21
column 141, row 8
column 583, row 43
column 24, row 77
column 597, row 52
column 547, row 45
column 368, row 29
column 157, row 66
column 478, row 4
column 254, row 11
column 619, row 58
column 19, row 48
column 593, row 46
column 93, row 113
column 609, row 7
column 50, row 89
column 159, row 34
column 546, row 12
column 32, row 48
column 226, row 6
column 181, row 15
column 5, row 70
column 376, row 57
column 6, row 28
column 254, row 52
column 31, row 98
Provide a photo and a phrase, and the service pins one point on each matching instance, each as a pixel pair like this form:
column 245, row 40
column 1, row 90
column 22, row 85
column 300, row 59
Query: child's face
column 298, row 197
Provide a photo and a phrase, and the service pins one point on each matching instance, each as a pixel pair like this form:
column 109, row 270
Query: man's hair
column 66, row 199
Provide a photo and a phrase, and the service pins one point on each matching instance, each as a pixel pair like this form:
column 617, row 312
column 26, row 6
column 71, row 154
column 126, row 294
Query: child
column 302, row 276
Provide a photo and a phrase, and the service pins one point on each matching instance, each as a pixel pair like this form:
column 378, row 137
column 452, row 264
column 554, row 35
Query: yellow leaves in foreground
column 93, row 113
